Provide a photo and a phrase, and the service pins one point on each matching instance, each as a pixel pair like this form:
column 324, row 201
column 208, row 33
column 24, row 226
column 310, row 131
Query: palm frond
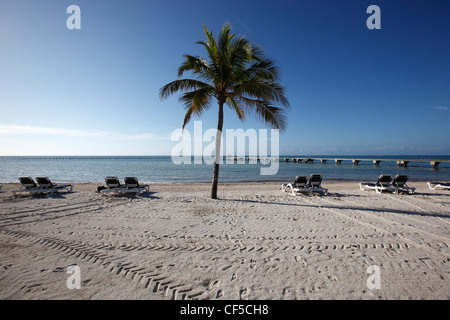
column 240, row 52
column 263, row 69
column 211, row 46
column 196, row 102
column 181, row 85
column 232, row 103
column 265, row 91
column 269, row 114
column 224, row 40
column 197, row 65
column 187, row 117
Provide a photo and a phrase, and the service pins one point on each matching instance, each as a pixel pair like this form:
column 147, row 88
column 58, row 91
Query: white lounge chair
column 399, row 184
column 28, row 185
column 299, row 185
column 46, row 184
column 302, row 184
column 132, row 184
column 315, row 183
column 112, row 185
column 383, row 184
column 436, row 185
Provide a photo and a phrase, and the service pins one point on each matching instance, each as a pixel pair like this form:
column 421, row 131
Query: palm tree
column 236, row 73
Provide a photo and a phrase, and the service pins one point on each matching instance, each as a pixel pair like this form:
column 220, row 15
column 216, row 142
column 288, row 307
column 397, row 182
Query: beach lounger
column 299, row 185
column 46, row 184
column 383, row 184
column 315, row 183
column 303, row 184
column 28, row 185
column 132, row 184
column 114, row 186
column 435, row 185
column 399, row 184
column 113, row 183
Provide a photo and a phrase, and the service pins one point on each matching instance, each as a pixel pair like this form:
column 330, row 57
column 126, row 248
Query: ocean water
column 161, row 169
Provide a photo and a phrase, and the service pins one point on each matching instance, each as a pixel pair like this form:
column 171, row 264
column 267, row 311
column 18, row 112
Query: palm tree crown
column 237, row 74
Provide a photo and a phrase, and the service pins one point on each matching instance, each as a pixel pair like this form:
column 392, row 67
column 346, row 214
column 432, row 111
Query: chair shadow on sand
column 145, row 195
column 352, row 208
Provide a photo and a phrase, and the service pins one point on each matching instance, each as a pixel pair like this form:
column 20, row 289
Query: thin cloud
column 16, row 129
column 441, row 108
column 142, row 136
column 19, row 130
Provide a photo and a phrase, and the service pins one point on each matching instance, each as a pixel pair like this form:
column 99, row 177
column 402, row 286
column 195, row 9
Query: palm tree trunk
column 217, row 153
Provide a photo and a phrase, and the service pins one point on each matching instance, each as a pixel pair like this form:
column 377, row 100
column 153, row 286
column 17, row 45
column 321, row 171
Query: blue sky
column 352, row 90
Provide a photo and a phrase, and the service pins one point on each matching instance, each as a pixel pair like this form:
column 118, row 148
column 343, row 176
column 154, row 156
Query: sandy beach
column 256, row 242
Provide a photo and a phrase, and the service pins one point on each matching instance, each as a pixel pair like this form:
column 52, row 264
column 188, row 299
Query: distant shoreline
column 241, row 182
column 160, row 169
column 91, row 186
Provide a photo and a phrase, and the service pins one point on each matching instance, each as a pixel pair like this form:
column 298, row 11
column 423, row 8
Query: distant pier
column 400, row 162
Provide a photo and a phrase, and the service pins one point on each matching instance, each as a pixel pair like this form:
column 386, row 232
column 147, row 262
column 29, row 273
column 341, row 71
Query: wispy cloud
column 141, row 136
column 441, row 108
column 18, row 130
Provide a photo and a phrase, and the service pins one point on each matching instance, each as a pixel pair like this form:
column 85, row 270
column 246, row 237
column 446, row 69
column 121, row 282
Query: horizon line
column 246, row 155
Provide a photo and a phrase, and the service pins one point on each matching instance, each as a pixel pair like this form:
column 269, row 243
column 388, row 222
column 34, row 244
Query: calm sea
column 156, row 169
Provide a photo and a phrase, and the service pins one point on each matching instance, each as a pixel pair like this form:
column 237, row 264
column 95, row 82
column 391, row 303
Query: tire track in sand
column 158, row 282
column 338, row 211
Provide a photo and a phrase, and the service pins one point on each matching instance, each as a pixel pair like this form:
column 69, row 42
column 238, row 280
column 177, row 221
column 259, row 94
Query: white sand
column 254, row 243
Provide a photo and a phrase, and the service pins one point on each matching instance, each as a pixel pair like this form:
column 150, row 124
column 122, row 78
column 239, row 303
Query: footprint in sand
column 243, row 294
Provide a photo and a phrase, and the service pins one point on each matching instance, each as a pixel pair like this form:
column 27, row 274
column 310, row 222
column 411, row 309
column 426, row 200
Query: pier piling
column 400, row 162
